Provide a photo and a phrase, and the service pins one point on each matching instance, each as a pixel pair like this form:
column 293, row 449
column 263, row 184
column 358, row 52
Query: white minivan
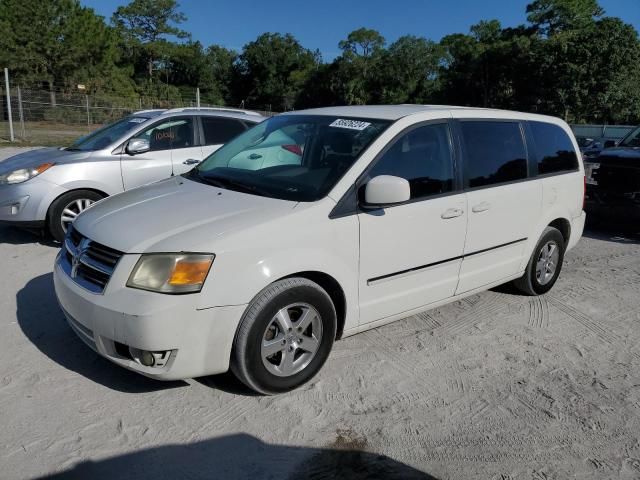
column 315, row 225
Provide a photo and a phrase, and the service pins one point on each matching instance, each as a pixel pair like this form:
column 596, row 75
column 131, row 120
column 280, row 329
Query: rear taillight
column 293, row 149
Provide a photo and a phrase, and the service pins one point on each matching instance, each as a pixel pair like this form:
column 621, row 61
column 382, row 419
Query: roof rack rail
column 214, row 109
column 150, row 110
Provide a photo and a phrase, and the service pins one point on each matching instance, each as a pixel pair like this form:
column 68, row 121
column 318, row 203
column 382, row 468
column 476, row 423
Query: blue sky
column 323, row 23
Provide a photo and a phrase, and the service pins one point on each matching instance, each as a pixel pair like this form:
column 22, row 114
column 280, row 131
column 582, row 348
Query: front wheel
column 544, row 265
column 285, row 336
column 64, row 210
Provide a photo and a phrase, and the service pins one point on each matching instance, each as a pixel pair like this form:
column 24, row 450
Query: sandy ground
column 497, row 386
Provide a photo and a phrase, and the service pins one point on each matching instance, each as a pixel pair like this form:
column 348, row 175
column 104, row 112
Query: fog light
column 147, row 359
column 15, row 209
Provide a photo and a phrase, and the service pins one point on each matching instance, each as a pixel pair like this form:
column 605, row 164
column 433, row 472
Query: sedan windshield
column 290, row 157
column 106, row 135
column 632, row 140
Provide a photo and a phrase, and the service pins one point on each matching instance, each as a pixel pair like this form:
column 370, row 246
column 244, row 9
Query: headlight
column 171, row 272
column 24, row 174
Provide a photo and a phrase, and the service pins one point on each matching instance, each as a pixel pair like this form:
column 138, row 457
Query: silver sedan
column 49, row 187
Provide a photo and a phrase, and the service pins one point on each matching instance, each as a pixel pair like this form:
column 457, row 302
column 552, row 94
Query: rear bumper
column 196, row 342
column 577, row 229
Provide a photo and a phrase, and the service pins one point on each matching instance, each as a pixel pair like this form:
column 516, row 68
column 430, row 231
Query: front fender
column 239, row 274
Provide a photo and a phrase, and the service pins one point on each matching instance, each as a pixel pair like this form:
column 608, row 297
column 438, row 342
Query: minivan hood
column 33, row 158
column 176, row 214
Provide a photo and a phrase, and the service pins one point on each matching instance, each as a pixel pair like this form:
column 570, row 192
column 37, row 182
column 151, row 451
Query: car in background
column 590, row 147
column 49, row 187
column 613, row 183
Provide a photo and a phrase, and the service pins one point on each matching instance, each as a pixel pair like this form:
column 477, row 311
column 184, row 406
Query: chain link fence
column 58, row 116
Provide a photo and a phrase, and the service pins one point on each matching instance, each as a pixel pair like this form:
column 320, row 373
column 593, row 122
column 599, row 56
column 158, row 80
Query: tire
column 537, row 281
column 75, row 202
column 262, row 331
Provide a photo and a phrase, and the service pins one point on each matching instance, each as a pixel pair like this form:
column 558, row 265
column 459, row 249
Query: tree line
column 570, row 60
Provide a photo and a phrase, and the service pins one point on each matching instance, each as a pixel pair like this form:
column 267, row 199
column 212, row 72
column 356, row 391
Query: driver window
column 170, row 134
column 422, row 157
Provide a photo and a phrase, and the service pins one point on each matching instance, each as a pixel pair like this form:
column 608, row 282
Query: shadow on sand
column 42, row 321
column 239, row 457
column 17, row 236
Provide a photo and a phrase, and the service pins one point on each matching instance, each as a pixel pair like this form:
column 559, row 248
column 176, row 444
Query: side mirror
column 386, row 190
column 137, row 145
column 609, row 143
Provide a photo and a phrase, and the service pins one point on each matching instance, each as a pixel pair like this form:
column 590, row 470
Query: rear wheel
column 64, row 210
column 284, row 337
column 544, row 265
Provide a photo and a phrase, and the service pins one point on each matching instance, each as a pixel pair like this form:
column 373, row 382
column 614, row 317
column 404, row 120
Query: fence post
column 198, row 97
column 6, row 82
column 86, row 97
column 21, row 114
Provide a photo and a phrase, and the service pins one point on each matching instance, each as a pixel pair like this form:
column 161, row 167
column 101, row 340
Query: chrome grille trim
column 88, row 263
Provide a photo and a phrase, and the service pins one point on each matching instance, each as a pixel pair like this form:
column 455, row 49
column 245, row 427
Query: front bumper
column 27, row 203
column 198, row 342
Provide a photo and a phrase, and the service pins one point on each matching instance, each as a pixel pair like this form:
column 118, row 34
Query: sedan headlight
column 171, row 273
column 24, row 174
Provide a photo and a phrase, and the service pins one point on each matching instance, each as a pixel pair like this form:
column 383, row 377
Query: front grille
column 88, row 263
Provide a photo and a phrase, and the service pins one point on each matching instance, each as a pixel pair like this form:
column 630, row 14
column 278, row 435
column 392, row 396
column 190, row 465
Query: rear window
column 554, row 148
column 494, row 151
column 220, row 130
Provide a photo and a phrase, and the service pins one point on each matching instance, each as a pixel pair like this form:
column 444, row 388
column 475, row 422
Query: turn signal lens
column 188, row 272
column 171, row 273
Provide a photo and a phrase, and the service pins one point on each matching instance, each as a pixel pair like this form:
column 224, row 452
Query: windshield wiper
column 230, row 184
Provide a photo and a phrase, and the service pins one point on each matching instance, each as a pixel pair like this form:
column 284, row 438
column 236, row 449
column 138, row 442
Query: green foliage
column 272, row 70
column 146, row 27
column 553, row 16
column 59, row 42
column 570, row 60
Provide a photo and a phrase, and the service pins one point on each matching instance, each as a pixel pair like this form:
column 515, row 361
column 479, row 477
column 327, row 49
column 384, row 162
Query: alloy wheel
column 547, row 263
column 72, row 210
column 291, row 339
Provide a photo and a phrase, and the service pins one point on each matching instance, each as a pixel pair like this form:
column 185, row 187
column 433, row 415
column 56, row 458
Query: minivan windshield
column 631, row 140
column 290, row 157
column 105, row 136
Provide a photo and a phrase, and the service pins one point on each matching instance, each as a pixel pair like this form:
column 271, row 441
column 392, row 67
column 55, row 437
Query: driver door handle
column 452, row 213
column 191, row 161
column 481, row 207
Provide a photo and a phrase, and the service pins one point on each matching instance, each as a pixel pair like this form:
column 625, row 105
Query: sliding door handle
column 481, row 207
column 452, row 213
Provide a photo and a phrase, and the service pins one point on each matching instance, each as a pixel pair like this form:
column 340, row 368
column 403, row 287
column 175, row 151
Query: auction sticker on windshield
column 350, row 124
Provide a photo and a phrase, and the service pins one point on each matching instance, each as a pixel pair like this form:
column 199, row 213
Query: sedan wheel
column 72, row 210
column 64, row 210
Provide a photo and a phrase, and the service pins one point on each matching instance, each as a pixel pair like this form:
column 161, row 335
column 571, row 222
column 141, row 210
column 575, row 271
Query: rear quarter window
column 554, row 149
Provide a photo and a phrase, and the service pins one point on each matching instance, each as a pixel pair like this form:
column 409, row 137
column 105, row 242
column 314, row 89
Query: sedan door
column 157, row 163
column 410, row 254
column 217, row 131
